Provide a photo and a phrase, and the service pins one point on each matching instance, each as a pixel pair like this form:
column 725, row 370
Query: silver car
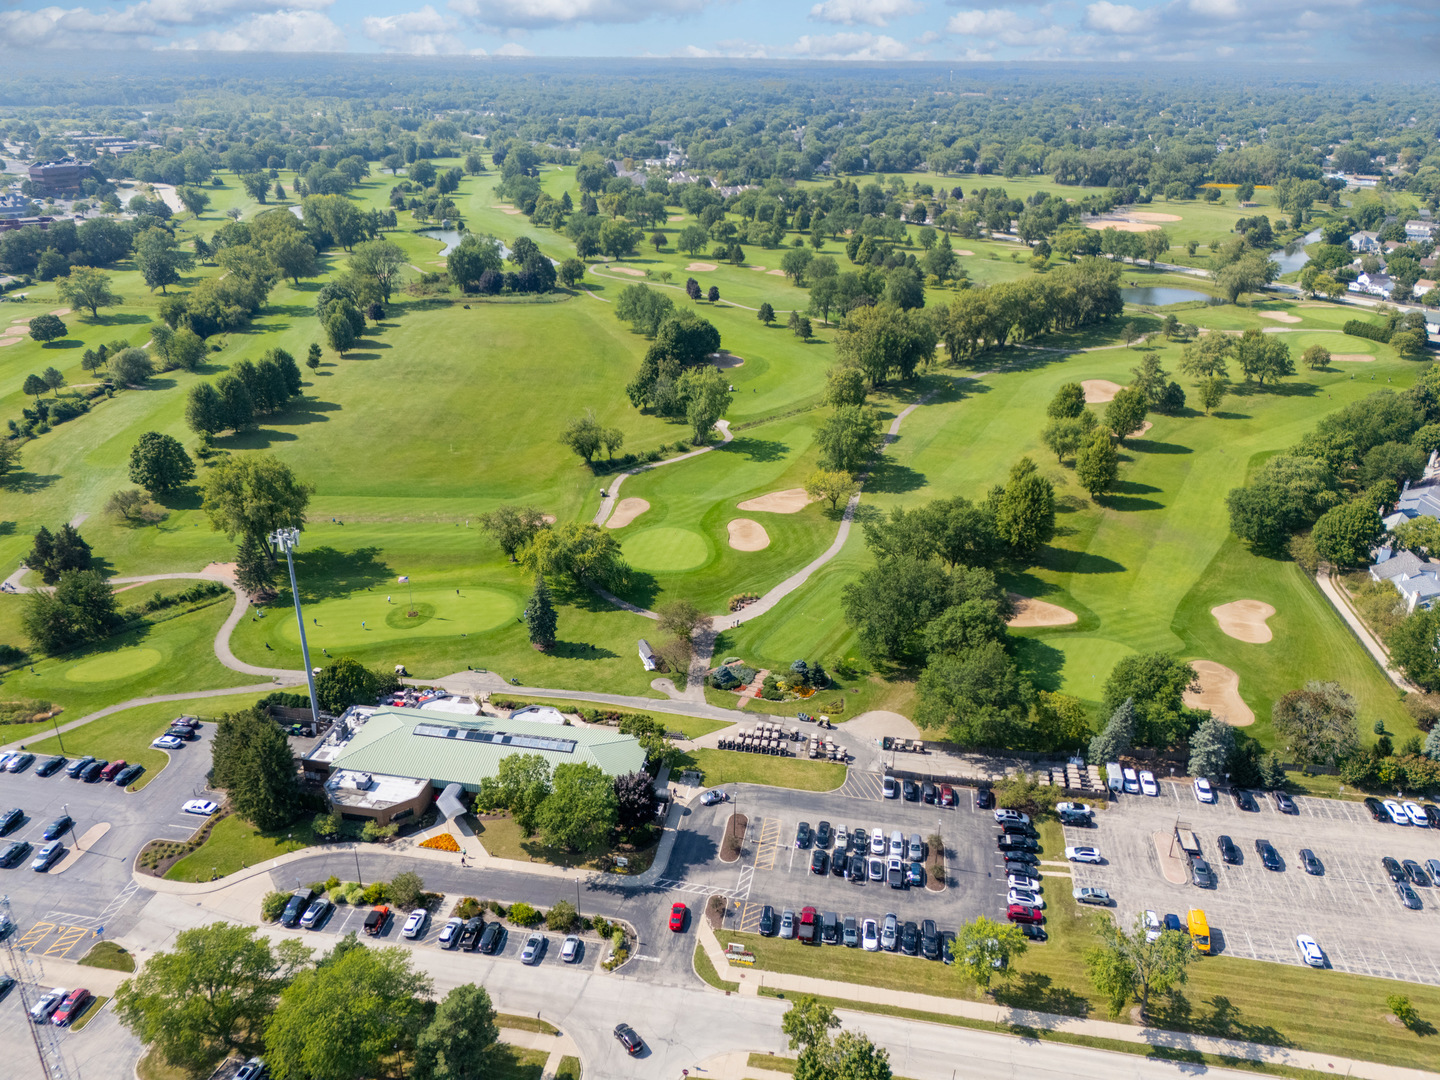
column 890, row 932
column 787, row 924
column 450, row 933
column 534, row 949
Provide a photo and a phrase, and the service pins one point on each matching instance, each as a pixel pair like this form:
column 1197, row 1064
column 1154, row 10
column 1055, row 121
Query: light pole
column 285, row 540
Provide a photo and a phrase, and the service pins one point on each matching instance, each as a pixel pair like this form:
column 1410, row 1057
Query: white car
column 1028, row 897
column 1152, row 925
column 570, row 951
column 870, row 936
column 876, row 869
column 713, row 796
column 787, row 925
column 1203, row 791
column 890, row 932
column 204, row 807
column 1021, row 881
column 167, row 742
column 415, row 924
column 534, row 949
column 1083, row 854
column 1396, row 812
column 878, row 842
column 1073, row 808
column 1309, row 951
column 1132, row 782
column 1010, row 817
column 1415, row 814
column 450, row 932
column 41, row 1010
column 1148, row 785
column 842, row 838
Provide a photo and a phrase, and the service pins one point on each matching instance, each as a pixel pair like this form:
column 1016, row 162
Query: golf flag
column 403, row 578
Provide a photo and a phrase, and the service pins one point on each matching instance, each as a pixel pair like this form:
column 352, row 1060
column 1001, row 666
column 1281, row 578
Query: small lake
column 450, row 238
column 1293, row 256
column 1159, row 295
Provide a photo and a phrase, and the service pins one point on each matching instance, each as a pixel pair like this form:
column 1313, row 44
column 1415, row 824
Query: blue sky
column 1379, row 32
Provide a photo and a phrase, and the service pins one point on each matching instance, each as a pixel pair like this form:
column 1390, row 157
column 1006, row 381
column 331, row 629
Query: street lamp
column 285, row 540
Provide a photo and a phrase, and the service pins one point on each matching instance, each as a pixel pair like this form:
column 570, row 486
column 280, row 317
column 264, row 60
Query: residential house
column 1417, row 580
column 1365, row 241
column 1376, row 284
column 1417, row 230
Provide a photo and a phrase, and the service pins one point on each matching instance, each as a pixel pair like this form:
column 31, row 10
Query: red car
column 110, row 771
column 677, row 918
column 1024, row 913
column 947, row 795
column 71, row 1008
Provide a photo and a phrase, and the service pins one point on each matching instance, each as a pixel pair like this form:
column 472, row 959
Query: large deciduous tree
column 86, row 287
column 1132, row 966
column 1024, row 509
column 159, row 464
column 254, row 496
column 984, row 949
column 521, row 784
column 580, row 810
column 253, row 762
column 1097, row 465
column 848, row 438
column 459, row 1041
column 1156, row 683
column 1317, row 723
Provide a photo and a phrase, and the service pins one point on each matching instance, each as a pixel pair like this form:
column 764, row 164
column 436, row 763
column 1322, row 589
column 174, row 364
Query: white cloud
column 278, row 31
column 1118, row 18
column 869, row 12
column 849, row 47
column 269, row 25
column 417, row 33
column 512, row 14
column 513, row 48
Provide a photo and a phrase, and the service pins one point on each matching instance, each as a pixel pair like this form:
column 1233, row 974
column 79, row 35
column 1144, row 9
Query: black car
column 839, row 863
column 10, row 819
column 984, row 799
column 183, row 731
column 927, row 792
column 93, row 770
column 1407, row 896
column 1310, row 862
column 295, row 907
column 1015, row 828
column 1243, row 801
column 492, row 939
column 1201, row 876
column 911, row 791
column 1416, row 873
column 803, row 835
column 1014, row 866
column 856, row 870
column 628, row 1039
column 929, row 940
column 910, row 939
column 471, row 931
column 1377, row 810
column 49, row 765
column 189, row 723
column 1077, row 818
column 767, row 921
column 1268, row 855
column 1284, row 803
column 6, row 982
column 1432, row 815
column 13, row 853
column 1394, row 869
column 1229, row 851
column 58, row 827
column 822, row 834
column 817, row 861
column 1034, row 933
column 79, row 765
column 1017, row 843
column 1022, row 857
column 127, row 774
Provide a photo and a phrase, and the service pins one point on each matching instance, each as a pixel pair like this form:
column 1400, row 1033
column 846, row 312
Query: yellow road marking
column 36, row 933
column 67, row 939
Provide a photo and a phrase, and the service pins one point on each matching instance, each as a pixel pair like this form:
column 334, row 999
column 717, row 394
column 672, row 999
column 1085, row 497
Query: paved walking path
column 612, row 491
column 1341, row 603
column 557, row 1046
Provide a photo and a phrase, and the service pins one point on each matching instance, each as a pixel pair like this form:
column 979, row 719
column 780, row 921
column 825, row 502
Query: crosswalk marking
column 767, row 846
column 863, row 785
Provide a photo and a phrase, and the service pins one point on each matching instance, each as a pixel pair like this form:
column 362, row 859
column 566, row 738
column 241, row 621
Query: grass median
column 720, row 767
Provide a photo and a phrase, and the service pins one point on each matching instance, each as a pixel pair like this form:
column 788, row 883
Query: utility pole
column 286, row 539
column 44, row 1035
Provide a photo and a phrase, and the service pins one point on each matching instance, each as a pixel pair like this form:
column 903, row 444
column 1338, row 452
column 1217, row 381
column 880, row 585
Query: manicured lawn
column 525, row 1023
column 517, row 1063
column 91, row 1011
column 569, row 1068
column 720, row 767
column 706, row 970
column 235, row 844
column 108, row 955
column 503, row 839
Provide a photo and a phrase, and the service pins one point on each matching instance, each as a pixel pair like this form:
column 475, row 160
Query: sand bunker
column 775, row 273
column 61, row 311
column 676, row 217
column 747, row 535
column 10, row 341
column 1099, row 391
column 701, row 268
column 1280, row 316
column 1146, row 215
column 963, row 251
column 789, row 501
column 1220, row 693
column 626, row 512
column 1146, row 426
column 1030, row 612
column 1351, row 358
column 1244, row 620
column 758, row 269
column 505, row 209
column 724, row 359
column 627, row 270
column 1121, row 226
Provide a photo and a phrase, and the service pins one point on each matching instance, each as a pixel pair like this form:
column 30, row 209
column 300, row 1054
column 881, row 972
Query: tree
column 211, row 992
column 47, row 328
column 9, row 458
column 540, row 617
column 34, row 385
column 1345, row 534
column 845, row 385
column 1412, row 648
column 1155, row 683
column 984, row 949
column 1316, row 357
column 159, row 464
column 713, row 294
column 580, row 810
column 132, row 367
column 521, row 784
column 766, row 313
column 406, row 890
column 292, row 254
column 1097, row 465
column 205, row 411
column 345, row 682
column 807, row 1022
column 1211, row 747
column 381, row 261
column 1125, row 415
column 571, row 271
column 187, row 349
column 884, row 340
column 635, row 800
column 707, row 395
column 81, row 608
column 312, row 358
column 459, row 1041
column 471, row 259
column 848, row 438
column 355, row 1008
column 52, row 554
column 1132, row 966
column 255, row 495
column 1068, row 402
column 340, row 333
column 1287, row 493
column 159, row 259
column 1318, row 723
column 1117, row 736
column 1064, row 435
column 1212, row 392
column 1249, row 273
column 254, row 572
column 512, row 527
column 582, row 551
column 584, row 435
column 1263, row 356
column 1420, row 535
column 54, row 380
column 194, row 199
column 977, row 695
column 1024, row 509
column 85, row 287
column 1207, row 356
column 253, row 762
column 831, row 485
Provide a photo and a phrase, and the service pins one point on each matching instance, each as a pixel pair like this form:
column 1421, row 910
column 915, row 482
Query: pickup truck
column 808, row 929
column 375, row 921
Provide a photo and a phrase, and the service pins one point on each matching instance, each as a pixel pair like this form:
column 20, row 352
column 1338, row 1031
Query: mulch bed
column 734, row 837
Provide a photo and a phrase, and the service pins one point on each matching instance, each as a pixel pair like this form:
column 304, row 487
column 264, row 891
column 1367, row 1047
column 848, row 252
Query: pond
column 1294, row 256
column 1159, row 295
column 450, row 238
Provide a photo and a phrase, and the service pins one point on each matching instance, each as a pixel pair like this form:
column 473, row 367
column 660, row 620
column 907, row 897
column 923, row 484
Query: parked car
column 677, row 917
column 1393, row 868
column 415, row 923
column 76, row 767
column 570, row 949
column 374, row 923
column 203, row 807
column 110, row 771
column 1203, row 791
column 254, row 1069
column 1025, row 896
column 1172, row 922
column 895, row 873
column 450, row 933
column 1023, row 871
column 910, row 939
column 1413, row 811
column 876, row 869
column 492, row 939
column 628, row 1039
column 1033, row 931
column 1014, row 828
column 1284, row 803
column 1416, row 873
column 470, row 933
column 984, row 798
column 767, row 921
column 59, row 827
column 927, row 792
column 128, row 775
column 891, row 787
column 50, row 765
column 870, row 936
column 1229, row 851
column 1020, row 913
column 911, row 790
column 46, row 856
column 1309, row 951
column 914, row 874
column 1201, row 876
column 890, row 932
column 1077, row 818
column 71, row 1008
column 92, row 771
column 856, row 869
column 1152, row 925
column 877, row 842
column 1083, row 854
column 1074, row 808
column 295, row 907
column 823, row 834
column 1269, row 857
column 1004, row 816
column 830, row 928
column 1090, row 896
column 1407, row 896
column 1396, row 812
column 897, row 845
column 1017, row 843
column 1376, row 808
column 1310, row 862
column 1433, row 865
column 850, row 932
column 803, row 836
column 787, row 925
column 1148, row 786
column 915, row 848
column 168, row 742
column 947, row 795
column 1022, row 857
column 1131, row 781
column 20, row 762
column 818, row 861
column 839, row 863
column 534, row 950
column 48, row 1003
column 315, row 913
column 13, row 852
column 1242, row 798
column 10, row 819
column 713, row 796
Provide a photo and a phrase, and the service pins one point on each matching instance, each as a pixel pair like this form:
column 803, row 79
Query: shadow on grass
column 579, row 650
column 1151, row 446
column 329, row 572
column 1037, row 992
column 28, row 483
column 1216, row 1017
column 756, row 449
column 888, row 478
column 1041, row 663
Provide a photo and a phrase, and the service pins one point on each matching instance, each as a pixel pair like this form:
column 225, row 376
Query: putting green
column 367, row 617
column 114, row 665
column 1088, row 661
column 666, row 549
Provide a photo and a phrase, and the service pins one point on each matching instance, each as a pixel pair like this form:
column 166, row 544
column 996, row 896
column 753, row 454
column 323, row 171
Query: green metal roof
column 466, row 749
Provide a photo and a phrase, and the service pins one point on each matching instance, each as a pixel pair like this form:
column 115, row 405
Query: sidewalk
column 1341, row 603
column 557, row 1046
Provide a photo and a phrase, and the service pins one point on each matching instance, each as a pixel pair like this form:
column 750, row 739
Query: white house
column 1376, row 284
column 1365, row 241
column 647, row 655
column 1414, row 578
column 1417, row 230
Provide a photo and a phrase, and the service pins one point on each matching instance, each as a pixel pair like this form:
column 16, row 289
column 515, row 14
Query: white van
column 1132, row 782
column 897, row 844
column 1113, row 778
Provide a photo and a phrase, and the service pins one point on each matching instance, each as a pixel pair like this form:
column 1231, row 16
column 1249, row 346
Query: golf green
column 114, row 665
column 666, row 549
column 368, row 617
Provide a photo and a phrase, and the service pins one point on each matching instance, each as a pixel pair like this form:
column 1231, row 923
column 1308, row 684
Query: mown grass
column 525, row 1023
column 706, row 970
column 108, row 955
column 235, row 844
column 720, row 767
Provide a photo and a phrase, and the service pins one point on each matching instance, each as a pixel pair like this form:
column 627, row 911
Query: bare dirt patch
column 1147, row 215
column 747, row 535
column 1220, row 693
column 1099, row 391
column 702, row 268
column 1030, row 612
column 626, row 270
column 626, row 512
column 789, row 501
column 734, row 837
column 1280, row 316
column 1351, row 358
column 225, row 570
column 1244, row 620
column 723, row 360
column 1121, row 226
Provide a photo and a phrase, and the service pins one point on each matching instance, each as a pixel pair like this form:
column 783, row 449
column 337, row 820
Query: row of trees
column 575, row 806
column 248, row 390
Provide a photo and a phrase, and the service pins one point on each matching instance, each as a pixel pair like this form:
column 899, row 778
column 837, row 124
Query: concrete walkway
column 557, row 1046
column 1341, row 603
column 612, row 491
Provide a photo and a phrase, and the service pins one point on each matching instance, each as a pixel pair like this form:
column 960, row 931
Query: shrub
column 407, row 889
column 273, row 906
column 1360, row 328
column 373, row 894
column 498, row 908
column 332, row 883
column 469, row 907
column 1400, row 1005
column 326, row 826
column 374, row 832
column 561, row 917
column 523, row 914
column 601, row 925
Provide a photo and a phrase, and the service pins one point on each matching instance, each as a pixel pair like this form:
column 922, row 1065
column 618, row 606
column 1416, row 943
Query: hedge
column 1362, row 329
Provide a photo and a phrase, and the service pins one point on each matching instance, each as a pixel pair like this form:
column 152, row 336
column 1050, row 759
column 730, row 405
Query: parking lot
column 1351, row 909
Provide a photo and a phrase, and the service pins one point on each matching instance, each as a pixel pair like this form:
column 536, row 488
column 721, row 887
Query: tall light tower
column 44, row 1035
column 285, row 540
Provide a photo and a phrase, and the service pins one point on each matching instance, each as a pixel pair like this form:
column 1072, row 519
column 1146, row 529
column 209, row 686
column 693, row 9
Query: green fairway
column 666, row 549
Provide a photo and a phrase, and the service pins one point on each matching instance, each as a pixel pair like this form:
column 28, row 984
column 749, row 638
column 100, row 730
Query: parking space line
column 768, row 845
column 67, row 939
column 35, row 934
